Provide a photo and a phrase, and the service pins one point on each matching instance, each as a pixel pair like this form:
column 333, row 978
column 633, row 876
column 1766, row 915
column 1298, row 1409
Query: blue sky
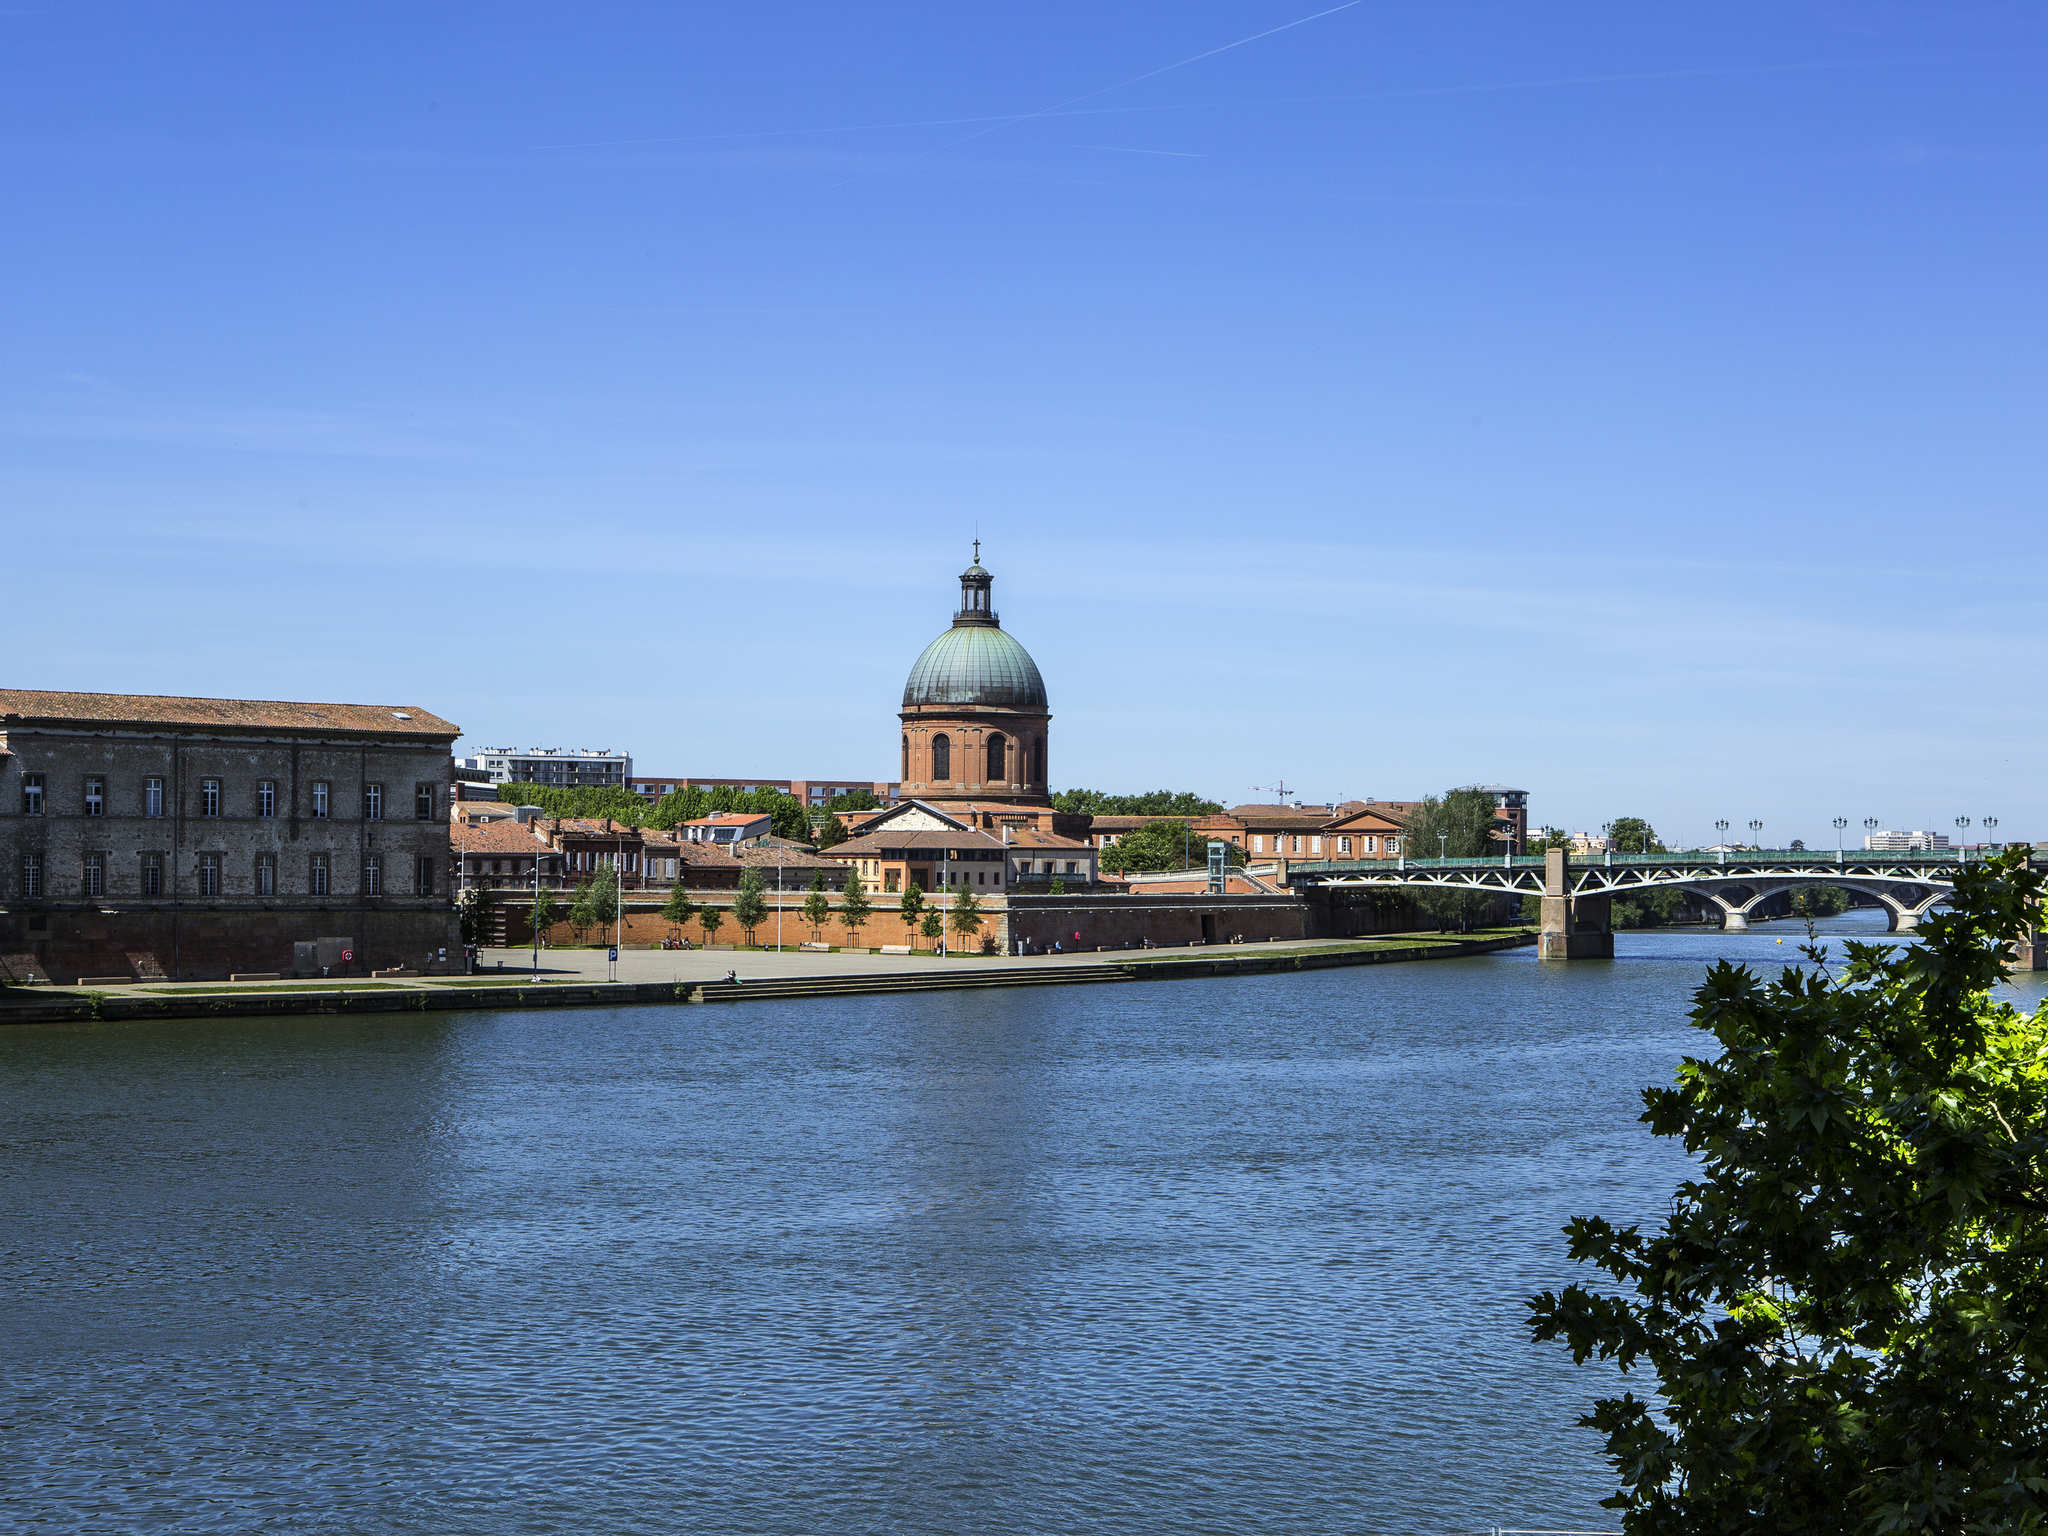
column 1642, row 407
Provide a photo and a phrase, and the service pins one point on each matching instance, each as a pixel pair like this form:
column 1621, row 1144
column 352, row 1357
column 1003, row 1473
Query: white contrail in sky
column 1391, row 93
column 1153, row 74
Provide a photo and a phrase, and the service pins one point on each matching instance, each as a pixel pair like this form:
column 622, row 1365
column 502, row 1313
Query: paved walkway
column 712, row 964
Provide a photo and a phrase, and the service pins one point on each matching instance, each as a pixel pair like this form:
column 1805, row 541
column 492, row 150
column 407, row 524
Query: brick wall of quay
column 1100, row 921
column 200, row 945
column 1127, row 922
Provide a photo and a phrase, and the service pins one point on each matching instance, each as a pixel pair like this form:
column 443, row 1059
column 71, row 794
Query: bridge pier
column 1574, row 928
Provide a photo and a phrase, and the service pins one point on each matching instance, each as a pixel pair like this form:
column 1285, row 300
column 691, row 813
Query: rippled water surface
column 1229, row 1256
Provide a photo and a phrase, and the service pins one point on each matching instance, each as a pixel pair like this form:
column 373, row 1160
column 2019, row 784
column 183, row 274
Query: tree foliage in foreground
column 1845, row 1313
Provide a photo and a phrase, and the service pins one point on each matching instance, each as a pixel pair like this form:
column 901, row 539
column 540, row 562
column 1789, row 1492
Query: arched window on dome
column 942, row 760
column 906, row 758
column 998, row 760
column 1038, row 761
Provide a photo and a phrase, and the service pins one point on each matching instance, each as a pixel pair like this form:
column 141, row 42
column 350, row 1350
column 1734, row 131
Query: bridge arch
column 1904, row 905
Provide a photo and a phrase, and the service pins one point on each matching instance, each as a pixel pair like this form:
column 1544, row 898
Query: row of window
column 93, row 800
column 996, row 759
column 1366, row 844
column 319, row 875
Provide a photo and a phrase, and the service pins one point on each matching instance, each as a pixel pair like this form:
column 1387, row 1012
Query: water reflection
column 1241, row 1255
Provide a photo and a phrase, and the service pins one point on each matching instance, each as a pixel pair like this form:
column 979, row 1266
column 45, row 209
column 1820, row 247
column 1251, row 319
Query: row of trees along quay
column 1842, row 1320
column 750, row 908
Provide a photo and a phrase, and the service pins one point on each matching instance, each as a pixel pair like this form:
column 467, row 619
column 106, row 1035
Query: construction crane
column 1281, row 790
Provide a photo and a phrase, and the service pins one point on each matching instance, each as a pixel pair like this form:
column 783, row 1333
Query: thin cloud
column 991, row 121
column 1164, row 69
column 1128, row 149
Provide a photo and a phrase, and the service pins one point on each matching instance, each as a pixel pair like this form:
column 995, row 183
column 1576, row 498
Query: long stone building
column 143, row 836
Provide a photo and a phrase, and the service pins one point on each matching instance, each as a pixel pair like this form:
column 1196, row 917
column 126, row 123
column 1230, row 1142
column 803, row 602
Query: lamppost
column 1756, row 834
column 1840, row 823
column 1607, row 841
column 1962, row 831
column 535, row 926
column 1443, row 840
column 1721, row 827
column 1990, row 826
column 1869, row 829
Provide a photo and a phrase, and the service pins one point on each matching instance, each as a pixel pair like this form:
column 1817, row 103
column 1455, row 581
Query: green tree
column 1845, row 1311
column 931, row 925
column 817, row 908
column 612, row 803
column 678, row 909
column 1458, row 824
column 473, row 911
column 710, row 919
column 831, row 833
column 547, row 911
column 583, row 912
column 1156, row 802
column 1058, row 887
column 965, row 918
column 787, row 818
column 1819, row 901
column 912, row 905
column 750, row 905
column 604, row 896
column 854, row 909
column 1165, row 845
column 1632, row 834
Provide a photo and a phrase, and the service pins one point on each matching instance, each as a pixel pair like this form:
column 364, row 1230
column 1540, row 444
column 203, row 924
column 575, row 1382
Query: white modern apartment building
column 1905, row 842
column 560, row 767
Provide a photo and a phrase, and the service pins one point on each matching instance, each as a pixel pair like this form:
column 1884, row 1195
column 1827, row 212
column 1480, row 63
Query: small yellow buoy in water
column 1781, row 941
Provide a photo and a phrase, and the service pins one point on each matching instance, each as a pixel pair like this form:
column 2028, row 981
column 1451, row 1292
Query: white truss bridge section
column 1907, row 885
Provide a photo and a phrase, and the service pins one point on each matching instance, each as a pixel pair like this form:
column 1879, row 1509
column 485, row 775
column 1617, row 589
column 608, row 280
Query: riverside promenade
column 578, row 978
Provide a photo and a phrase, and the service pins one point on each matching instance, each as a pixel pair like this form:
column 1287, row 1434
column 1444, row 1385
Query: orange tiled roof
column 872, row 845
column 494, row 837
column 33, row 704
column 1031, row 837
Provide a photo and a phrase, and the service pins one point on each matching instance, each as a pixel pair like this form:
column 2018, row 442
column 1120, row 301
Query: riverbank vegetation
column 1845, row 1312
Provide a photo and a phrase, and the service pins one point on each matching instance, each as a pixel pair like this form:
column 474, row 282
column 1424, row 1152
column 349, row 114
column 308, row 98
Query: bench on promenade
column 815, row 948
column 255, row 976
column 895, row 949
column 106, row 981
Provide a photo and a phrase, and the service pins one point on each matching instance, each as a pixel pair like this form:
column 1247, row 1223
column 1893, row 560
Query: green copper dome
column 975, row 664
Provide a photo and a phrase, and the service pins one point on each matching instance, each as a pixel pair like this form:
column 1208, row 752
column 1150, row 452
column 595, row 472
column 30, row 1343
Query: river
column 1239, row 1255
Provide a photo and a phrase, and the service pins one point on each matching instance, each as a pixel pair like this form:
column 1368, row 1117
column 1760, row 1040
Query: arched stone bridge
column 1577, row 893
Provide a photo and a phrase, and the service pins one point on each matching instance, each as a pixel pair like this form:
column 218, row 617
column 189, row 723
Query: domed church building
column 974, row 807
column 974, row 710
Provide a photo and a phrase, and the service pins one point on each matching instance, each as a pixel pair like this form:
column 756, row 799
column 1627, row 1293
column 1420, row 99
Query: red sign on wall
column 347, row 955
